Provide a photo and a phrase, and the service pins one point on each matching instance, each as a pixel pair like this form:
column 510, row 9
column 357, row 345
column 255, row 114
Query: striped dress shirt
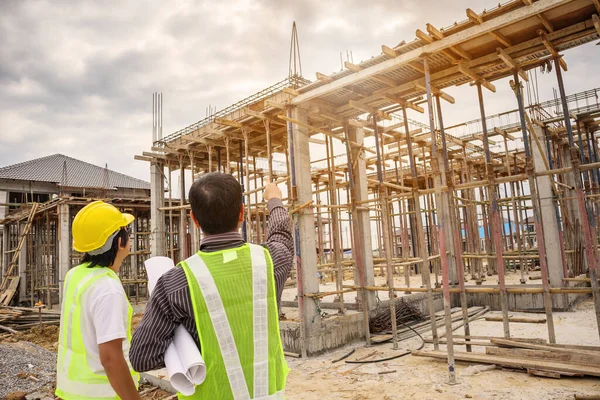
column 171, row 305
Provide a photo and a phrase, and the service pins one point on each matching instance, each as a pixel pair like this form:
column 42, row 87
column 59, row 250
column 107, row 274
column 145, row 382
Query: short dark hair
column 216, row 200
column 107, row 258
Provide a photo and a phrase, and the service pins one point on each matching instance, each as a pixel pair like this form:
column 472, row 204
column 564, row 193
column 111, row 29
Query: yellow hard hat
column 95, row 223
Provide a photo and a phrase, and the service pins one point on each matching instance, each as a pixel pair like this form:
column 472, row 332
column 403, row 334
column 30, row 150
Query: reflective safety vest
column 235, row 309
column 75, row 380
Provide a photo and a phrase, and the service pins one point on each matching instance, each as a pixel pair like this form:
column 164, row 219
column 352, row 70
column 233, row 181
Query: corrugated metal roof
column 70, row 172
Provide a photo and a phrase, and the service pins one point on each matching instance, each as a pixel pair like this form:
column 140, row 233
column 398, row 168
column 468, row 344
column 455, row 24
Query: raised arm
column 280, row 241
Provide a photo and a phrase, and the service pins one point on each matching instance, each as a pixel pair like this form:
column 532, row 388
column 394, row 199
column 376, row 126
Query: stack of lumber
column 13, row 319
column 540, row 359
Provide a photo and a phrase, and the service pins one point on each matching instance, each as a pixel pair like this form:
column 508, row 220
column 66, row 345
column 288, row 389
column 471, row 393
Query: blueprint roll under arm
column 185, row 365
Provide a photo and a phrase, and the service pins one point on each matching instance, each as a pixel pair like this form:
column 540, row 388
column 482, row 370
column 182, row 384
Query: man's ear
column 194, row 219
column 241, row 216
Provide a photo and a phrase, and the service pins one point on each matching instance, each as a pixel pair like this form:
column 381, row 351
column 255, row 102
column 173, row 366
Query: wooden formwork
column 401, row 196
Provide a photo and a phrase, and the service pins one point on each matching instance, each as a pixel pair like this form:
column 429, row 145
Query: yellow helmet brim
column 127, row 218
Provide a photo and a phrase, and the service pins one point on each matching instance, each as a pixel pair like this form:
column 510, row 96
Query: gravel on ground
column 25, row 367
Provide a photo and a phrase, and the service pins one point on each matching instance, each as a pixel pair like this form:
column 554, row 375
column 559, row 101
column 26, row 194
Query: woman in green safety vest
column 95, row 324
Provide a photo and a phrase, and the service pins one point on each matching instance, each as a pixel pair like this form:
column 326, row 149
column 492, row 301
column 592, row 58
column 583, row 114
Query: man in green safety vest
column 95, row 323
column 226, row 295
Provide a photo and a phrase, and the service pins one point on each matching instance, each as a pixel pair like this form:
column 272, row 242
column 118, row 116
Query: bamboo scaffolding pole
column 439, row 172
column 494, row 217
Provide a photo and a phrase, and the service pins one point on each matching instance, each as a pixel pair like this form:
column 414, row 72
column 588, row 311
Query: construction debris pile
column 13, row 319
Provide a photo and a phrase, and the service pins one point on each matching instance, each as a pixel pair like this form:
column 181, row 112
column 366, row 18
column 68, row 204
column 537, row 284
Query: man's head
column 216, row 201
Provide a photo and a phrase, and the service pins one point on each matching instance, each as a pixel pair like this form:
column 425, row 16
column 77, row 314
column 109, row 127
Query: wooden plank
column 547, row 24
column 358, row 68
column 543, row 373
column 501, row 38
column 519, row 363
column 476, row 77
column 323, row 77
column 8, row 294
column 463, row 342
column 474, row 17
column 388, row 51
column 228, row 122
column 532, row 346
column 526, row 320
column 596, row 21
column 574, row 346
column 572, row 358
column 524, row 340
column 381, row 338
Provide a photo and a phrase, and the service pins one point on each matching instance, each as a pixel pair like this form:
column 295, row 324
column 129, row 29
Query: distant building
column 61, row 186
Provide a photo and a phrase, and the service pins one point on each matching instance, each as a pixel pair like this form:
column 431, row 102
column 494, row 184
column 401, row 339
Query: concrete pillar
column 157, row 217
column 548, row 213
column 64, row 245
column 134, row 246
column 3, row 200
column 22, row 265
column 361, row 223
column 304, row 221
column 4, row 259
column 183, row 238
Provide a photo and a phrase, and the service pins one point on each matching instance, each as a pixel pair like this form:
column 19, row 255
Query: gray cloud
column 76, row 76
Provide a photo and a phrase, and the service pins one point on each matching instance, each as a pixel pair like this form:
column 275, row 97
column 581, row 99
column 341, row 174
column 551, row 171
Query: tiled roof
column 70, row 172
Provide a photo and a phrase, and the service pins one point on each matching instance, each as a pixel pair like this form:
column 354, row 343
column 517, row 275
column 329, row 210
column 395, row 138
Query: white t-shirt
column 106, row 307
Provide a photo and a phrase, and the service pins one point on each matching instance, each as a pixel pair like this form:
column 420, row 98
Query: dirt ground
column 412, row 377
column 45, row 336
column 425, row 378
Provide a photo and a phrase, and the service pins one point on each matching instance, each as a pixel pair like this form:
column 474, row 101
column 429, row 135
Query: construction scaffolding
column 41, row 268
column 386, row 205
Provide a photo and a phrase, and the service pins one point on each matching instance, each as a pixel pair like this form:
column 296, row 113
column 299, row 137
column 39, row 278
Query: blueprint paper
column 185, row 365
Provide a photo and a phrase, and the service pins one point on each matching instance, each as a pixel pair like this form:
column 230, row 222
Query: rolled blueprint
column 185, row 365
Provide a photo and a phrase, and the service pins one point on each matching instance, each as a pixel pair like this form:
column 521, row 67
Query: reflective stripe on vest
column 261, row 323
column 75, row 380
column 229, row 351
column 232, row 277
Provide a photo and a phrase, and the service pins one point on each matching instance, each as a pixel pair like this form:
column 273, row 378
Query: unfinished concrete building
column 444, row 216
column 38, row 201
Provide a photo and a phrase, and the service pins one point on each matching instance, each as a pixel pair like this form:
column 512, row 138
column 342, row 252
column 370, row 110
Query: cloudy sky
column 76, row 77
